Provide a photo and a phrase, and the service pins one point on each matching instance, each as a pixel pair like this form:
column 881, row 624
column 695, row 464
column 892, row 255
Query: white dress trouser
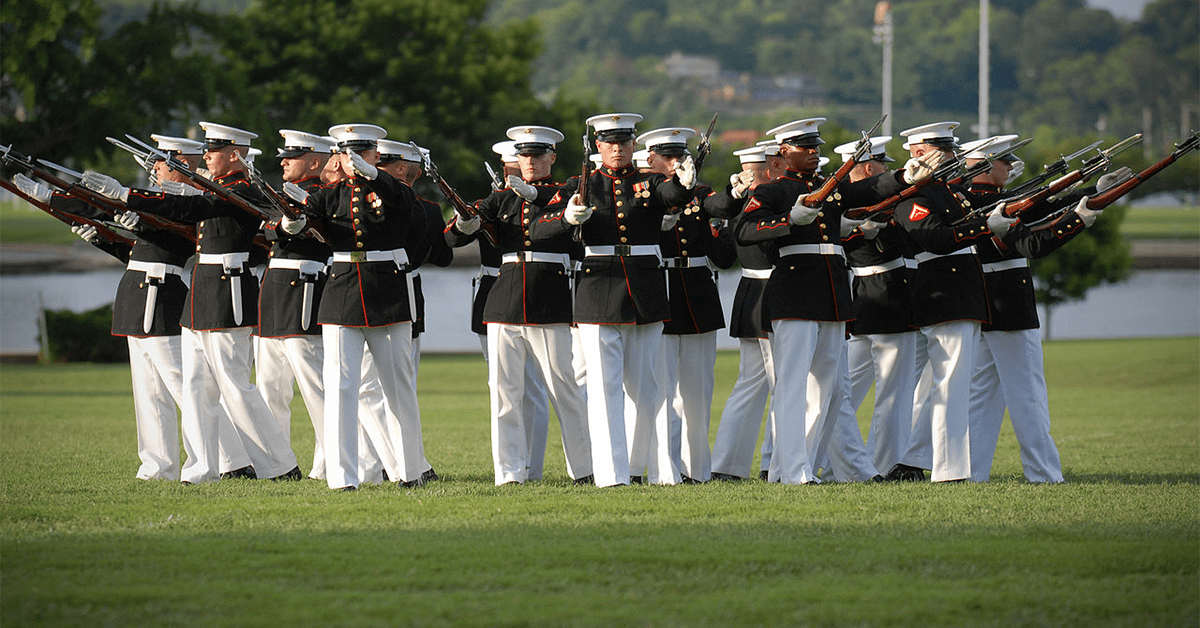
column 511, row 350
column 888, row 360
column 376, row 452
column 535, row 407
column 840, row 448
column 808, row 358
column 216, row 369
column 687, row 383
column 1009, row 372
column 943, row 418
column 391, row 348
column 299, row 359
column 620, row 358
column 733, row 448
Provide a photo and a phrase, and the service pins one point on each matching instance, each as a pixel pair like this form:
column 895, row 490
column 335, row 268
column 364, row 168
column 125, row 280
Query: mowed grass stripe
column 1119, row 545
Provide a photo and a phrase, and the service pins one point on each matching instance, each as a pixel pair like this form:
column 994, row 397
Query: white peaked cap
column 180, row 145
column 800, row 132
column 937, row 134
column 878, row 149
column 640, row 158
column 390, row 150
column 770, row 147
column 751, row 155
column 218, row 135
column 534, row 140
column 611, row 127
column 296, row 143
column 668, row 141
column 507, row 151
column 357, row 136
column 988, row 146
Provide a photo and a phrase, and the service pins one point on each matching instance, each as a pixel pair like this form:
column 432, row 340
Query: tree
column 1097, row 256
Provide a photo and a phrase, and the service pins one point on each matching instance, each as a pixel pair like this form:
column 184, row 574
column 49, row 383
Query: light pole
column 983, row 69
column 883, row 35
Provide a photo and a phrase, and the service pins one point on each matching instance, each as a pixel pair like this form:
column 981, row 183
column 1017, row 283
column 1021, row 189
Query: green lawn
column 22, row 223
column 83, row 543
column 1154, row 223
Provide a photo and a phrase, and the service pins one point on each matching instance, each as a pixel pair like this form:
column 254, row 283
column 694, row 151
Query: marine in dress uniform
column 289, row 347
column 949, row 305
column 807, row 296
column 1009, row 372
column 737, row 433
column 620, row 294
column 528, row 314
column 219, row 314
column 882, row 344
column 690, row 247
column 367, row 306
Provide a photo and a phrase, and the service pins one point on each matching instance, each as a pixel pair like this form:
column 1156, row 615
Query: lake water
column 1151, row 303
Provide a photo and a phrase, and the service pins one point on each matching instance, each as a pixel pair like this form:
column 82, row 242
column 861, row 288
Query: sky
column 1128, row 9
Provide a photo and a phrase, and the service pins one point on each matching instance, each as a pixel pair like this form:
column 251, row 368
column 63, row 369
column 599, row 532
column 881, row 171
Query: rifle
column 585, row 173
column 143, row 158
column 1106, row 198
column 460, row 206
column 497, row 182
column 277, row 200
column 944, row 170
column 208, row 185
column 1086, row 171
column 1052, row 169
column 861, row 149
column 705, row 147
column 72, row 220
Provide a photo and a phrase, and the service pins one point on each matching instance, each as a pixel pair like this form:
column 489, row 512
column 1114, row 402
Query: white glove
column 870, row 229
column 848, row 225
column 468, row 226
column 1088, row 216
column 1015, row 170
column 998, row 223
column 576, row 213
column 669, row 221
column 361, row 166
column 685, row 171
column 1116, row 177
column 106, row 185
column 87, row 232
column 802, row 215
column 295, row 192
column 523, row 189
column 292, row 227
column 179, row 189
column 34, row 189
column 129, row 220
column 741, row 183
column 920, row 169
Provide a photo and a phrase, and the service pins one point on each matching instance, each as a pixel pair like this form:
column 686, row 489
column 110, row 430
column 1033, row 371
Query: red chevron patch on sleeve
column 557, row 198
column 752, row 205
column 918, row 213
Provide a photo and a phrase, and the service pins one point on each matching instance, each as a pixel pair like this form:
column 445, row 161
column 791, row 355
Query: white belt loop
column 757, row 273
column 303, row 266
column 925, row 256
column 537, row 257
column 154, row 270
column 811, row 249
column 1008, row 264
column 878, row 269
column 685, row 262
column 622, row 250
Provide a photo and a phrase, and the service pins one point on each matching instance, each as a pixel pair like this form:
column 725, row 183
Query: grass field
column 84, row 543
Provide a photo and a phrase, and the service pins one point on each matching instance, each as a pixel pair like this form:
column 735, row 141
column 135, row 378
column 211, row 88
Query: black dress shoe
column 429, row 476
column 763, row 475
column 417, row 483
column 906, row 473
column 385, row 476
column 587, row 480
column 291, row 476
column 725, row 477
column 877, row 478
column 637, row 479
column 246, row 472
column 691, row 480
column 346, row 489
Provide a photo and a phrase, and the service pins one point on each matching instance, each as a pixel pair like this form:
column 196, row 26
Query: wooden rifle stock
column 1106, row 198
column 461, row 207
column 70, row 219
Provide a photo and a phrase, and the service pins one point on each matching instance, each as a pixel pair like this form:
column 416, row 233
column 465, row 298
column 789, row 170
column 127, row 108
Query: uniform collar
column 619, row 172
